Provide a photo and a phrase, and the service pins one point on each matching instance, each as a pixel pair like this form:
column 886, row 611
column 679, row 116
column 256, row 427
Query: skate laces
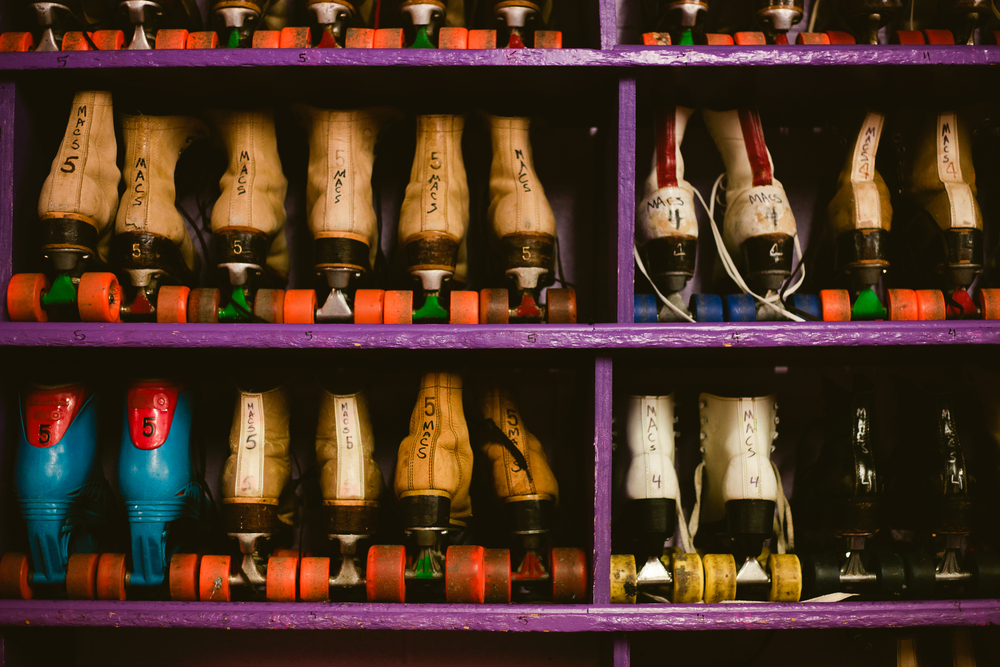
column 488, row 430
column 783, row 517
column 669, row 304
column 699, row 474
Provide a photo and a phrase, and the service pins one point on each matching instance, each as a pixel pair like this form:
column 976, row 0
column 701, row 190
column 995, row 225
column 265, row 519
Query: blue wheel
column 808, row 303
column 706, row 307
column 645, row 309
column 740, row 308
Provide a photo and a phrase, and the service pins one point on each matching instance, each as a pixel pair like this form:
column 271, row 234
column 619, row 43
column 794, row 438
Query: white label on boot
column 250, row 459
column 652, row 449
column 753, row 451
column 863, row 171
column 949, row 164
column 137, row 208
column 350, row 468
column 72, row 160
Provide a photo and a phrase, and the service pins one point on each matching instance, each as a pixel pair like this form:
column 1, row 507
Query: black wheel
column 890, row 570
column 919, row 575
column 820, row 575
column 985, row 569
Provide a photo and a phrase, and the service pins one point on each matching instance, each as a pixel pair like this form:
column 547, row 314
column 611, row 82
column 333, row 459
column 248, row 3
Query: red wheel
column 99, row 298
column 568, row 569
column 962, row 305
column 836, row 305
column 909, row 37
column 183, row 577
column 24, row 297
column 813, row 38
column 293, row 553
column 300, row 306
column 837, row 37
column 902, row 304
column 213, row 579
column 494, row 306
column 989, row 303
column 940, row 37
column 282, row 578
column 464, row 574
column 172, row 304
column 749, row 39
column 385, row 574
column 930, row 304
column 314, row 580
column 464, row 308
column 496, row 564
column 111, row 576
column 81, row 576
column 398, row 307
column 203, row 306
column 15, row 577
column 368, row 304
column 561, row 306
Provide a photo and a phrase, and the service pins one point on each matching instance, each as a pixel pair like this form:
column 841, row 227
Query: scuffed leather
column 650, row 440
column 943, row 185
column 667, row 211
column 275, row 440
column 862, row 200
column 345, row 448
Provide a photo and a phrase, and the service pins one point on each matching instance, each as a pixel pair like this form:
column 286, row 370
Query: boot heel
column 241, row 245
column 528, row 251
column 249, row 517
column 768, row 259
column 965, row 255
column 857, row 516
column 649, row 523
column 142, row 250
column 425, row 511
column 670, row 261
column 863, row 250
column 432, row 251
column 347, row 517
column 341, row 253
column 750, row 518
column 529, row 519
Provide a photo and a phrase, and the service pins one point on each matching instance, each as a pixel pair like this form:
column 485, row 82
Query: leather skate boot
column 743, row 490
column 666, row 227
column 248, row 224
column 149, row 16
column 435, row 212
column 152, row 244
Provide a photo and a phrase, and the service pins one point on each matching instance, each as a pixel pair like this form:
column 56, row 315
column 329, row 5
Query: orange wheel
column 836, row 304
column 300, row 306
column 111, row 576
column 398, row 308
column 368, row 304
column 837, row 37
column 494, row 307
column 293, row 553
column 81, row 576
column 99, row 298
column 930, row 304
column 940, row 37
column 464, row 574
column 269, row 306
column 24, row 297
column 568, row 569
column 385, row 574
column 813, row 38
column 213, row 579
column 183, row 577
column 15, row 577
column 749, row 39
column 464, row 308
column 203, row 306
column 912, row 37
column 496, row 563
column 282, row 578
column 314, row 580
column 989, row 303
column 561, row 306
column 172, row 304
column 902, row 304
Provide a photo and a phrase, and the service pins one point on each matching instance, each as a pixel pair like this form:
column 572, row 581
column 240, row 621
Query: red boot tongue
column 150, row 413
column 49, row 412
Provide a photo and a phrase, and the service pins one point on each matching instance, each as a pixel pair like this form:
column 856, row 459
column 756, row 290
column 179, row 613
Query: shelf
column 764, row 56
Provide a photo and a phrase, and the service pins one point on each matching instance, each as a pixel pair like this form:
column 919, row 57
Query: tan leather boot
column 435, row 211
column 79, row 198
column 434, row 466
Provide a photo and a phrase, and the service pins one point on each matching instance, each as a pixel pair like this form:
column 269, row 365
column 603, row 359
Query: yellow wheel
column 689, row 578
column 720, row 577
column 623, row 574
column 786, row 578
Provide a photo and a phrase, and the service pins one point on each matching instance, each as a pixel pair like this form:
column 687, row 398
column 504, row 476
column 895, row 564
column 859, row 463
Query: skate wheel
column 890, row 573
column 962, row 305
column 496, row 564
column 836, row 305
column 689, row 578
column 81, row 576
column 282, row 578
column 706, row 307
column 940, row 37
column 809, row 304
column 99, row 298
column 314, row 580
column 15, row 577
column 464, row 574
column 820, row 575
column 203, row 306
column 985, row 569
column 213, row 579
column 930, row 305
column 840, row 38
column 385, row 574
column 111, row 576
column 813, row 38
column 911, row 37
column 368, row 304
column 24, row 297
column 292, row 553
column 300, row 306
column 989, row 303
column 786, row 578
column 269, row 305
column 740, row 308
column 16, row 42
column 561, row 306
column 568, row 568
column 623, row 579
column 902, row 304
column 645, row 309
column 183, row 577
column 720, row 577
column 464, row 308
column 398, row 307
column 493, row 306
column 172, row 304
column 920, row 579
column 749, row 39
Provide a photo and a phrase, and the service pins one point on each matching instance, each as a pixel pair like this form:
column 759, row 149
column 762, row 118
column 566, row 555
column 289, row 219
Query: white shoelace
column 672, row 306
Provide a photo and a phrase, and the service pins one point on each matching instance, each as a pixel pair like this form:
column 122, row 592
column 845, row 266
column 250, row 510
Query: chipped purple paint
column 603, row 396
column 608, row 17
column 625, row 307
column 621, row 651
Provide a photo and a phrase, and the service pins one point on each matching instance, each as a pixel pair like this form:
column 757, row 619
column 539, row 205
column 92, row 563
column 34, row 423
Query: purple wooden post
column 621, row 651
column 6, row 187
column 602, row 479
column 626, row 199
column 609, row 24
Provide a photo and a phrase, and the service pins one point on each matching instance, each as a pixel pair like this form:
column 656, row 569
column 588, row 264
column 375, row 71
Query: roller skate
column 333, row 18
column 744, row 503
column 76, row 208
column 432, row 226
column 148, row 16
column 771, row 23
column 666, row 227
column 167, row 506
column 945, row 23
column 651, row 513
column 425, row 18
column 341, row 217
column 433, row 474
column 520, row 25
column 524, row 483
column 523, row 232
column 248, row 226
column 679, row 22
column 56, row 20
column 351, row 482
column 66, row 502
column 238, row 20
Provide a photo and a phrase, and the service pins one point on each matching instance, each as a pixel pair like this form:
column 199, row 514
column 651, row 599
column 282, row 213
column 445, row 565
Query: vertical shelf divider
column 608, row 21
column 603, row 392
column 7, row 186
column 626, row 200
